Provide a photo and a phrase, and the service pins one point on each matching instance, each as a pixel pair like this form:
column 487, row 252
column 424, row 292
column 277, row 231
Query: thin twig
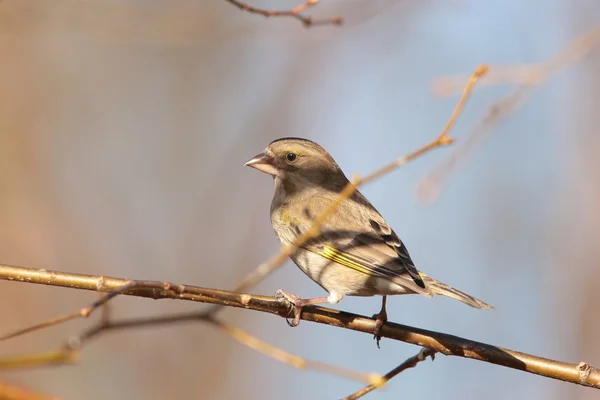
column 57, row 357
column 528, row 77
column 70, row 352
column 443, row 139
column 581, row 373
column 295, row 12
column 430, row 188
column 82, row 313
column 527, row 74
column 409, row 363
column 288, row 358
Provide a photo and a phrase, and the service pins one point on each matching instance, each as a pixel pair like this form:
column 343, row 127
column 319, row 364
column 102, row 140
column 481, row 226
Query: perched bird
column 356, row 252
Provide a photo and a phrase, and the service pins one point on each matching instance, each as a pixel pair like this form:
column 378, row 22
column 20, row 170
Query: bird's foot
column 380, row 319
column 296, row 304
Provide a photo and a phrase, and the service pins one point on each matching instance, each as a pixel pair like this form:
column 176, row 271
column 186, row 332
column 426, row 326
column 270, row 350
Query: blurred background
column 124, row 127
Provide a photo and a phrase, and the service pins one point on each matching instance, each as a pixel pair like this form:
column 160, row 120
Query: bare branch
column 70, row 353
column 527, row 74
column 430, row 188
column 290, row 359
column 237, row 334
column 295, row 12
column 83, row 313
column 409, row 363
column 581, row 373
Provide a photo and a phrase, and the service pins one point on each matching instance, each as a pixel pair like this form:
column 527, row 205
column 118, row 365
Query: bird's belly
column 338, row 278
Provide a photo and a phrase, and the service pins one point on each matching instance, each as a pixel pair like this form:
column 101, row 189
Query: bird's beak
column 263, row 162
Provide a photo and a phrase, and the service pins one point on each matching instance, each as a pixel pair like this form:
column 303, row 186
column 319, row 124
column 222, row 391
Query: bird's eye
column 291, row 157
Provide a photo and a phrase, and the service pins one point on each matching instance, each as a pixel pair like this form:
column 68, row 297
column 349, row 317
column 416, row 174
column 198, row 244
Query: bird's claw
column 295, row 304
column 380, row 319
column 290, row 297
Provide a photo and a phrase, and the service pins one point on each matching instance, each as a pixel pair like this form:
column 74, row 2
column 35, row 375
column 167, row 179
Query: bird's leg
column 380, row 319
column 298, row 304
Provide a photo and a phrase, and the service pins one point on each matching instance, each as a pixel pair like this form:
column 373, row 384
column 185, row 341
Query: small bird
column 356, row 252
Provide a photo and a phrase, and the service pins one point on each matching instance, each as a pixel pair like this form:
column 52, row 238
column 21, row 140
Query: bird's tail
column 438, row 287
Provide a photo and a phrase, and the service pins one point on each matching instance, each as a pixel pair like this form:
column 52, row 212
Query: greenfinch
column 356, row 253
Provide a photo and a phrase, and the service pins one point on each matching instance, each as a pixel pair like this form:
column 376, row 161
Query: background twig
column 526, row 74
column 70, row 352
column 295, row 12
column 409, row 363
column 430, row 188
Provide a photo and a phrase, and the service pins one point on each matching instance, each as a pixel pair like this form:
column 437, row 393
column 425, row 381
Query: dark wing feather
column 392, row 240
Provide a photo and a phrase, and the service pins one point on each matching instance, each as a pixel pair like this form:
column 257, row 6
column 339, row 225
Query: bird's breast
column 285, row 224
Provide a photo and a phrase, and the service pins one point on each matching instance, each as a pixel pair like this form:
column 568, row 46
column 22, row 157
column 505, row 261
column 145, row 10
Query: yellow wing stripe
column 288, row 219
column 363, row 266
column 337, row 256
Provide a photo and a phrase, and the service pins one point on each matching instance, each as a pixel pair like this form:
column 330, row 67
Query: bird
column 356, row 252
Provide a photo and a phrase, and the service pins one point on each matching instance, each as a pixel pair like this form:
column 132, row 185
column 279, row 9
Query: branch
column 581, row 374
column 293, row 13
column 409, row 363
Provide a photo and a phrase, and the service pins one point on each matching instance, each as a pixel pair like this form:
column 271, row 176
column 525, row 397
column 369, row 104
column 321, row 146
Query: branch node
column 377, row 380
column 245, row 299
column 481, row 70
column 446, row 140
column 85, row 312
column 100, row 284
column 424, row 353
column 176, row 288
column 584, row 370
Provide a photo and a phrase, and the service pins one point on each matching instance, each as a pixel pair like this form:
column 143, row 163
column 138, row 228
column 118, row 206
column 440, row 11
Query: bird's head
column 299, row 162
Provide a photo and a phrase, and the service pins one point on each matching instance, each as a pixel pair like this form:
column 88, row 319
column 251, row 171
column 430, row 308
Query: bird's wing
column 366, row 244
column 369, row 254
column 385, row 232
